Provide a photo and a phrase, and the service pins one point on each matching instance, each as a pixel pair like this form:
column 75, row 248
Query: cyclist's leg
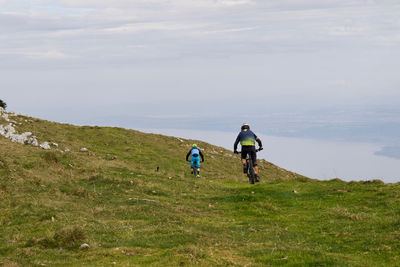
column 253, row 155
column 196, row 165
column 244, row 156
column 192, row 163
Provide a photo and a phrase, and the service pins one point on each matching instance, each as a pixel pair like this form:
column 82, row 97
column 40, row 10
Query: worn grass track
column 113, row 199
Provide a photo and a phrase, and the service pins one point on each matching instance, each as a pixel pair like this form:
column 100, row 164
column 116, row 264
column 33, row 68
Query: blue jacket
column 247, row 138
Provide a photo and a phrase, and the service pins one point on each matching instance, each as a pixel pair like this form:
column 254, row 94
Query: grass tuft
column 68, row 237
column 271, row 207
column 51, row 157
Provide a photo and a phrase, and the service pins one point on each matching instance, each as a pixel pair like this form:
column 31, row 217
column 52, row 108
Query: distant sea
column 317, row 159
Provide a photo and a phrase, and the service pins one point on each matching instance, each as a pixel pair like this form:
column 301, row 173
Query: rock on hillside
column 8, row 131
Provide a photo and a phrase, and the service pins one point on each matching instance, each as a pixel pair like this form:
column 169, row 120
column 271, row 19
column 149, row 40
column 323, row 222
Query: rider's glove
column 236, row 152
column 261, row 148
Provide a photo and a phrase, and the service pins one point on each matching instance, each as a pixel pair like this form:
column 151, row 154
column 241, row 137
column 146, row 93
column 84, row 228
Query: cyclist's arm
column 259, row 142
column 187, row 155
column 236, row 143
column 201, row 155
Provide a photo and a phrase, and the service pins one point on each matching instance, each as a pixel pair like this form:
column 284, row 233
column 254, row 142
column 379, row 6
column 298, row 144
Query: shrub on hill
column 3, row 104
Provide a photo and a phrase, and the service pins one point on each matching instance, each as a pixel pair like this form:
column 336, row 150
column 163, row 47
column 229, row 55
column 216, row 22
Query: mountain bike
column 195, row 173
column 251, row 173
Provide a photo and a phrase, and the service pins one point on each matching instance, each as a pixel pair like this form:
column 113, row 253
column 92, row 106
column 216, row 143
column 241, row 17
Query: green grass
column 113, row 199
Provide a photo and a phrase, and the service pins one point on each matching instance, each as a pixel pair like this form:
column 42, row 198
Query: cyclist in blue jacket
column 248, row 140
column 195, row 154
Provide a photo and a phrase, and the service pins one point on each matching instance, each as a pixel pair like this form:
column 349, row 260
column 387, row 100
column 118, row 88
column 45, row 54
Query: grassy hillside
column 112, row 198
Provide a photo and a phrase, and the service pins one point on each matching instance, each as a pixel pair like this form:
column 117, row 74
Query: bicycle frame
column 251, row 173
column 195, row 171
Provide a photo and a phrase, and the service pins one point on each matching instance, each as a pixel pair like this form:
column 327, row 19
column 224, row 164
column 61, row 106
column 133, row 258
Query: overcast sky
column 159, row 56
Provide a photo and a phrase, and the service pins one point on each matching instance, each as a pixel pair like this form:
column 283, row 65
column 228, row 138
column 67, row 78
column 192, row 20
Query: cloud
column 153, row 3
column 150, row 26
column 349, row 30
column 341, row 83
column 192, row 28
column 51, row 54
column 36, row 54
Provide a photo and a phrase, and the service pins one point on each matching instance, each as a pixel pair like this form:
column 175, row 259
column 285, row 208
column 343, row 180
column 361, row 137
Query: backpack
column 195, row 152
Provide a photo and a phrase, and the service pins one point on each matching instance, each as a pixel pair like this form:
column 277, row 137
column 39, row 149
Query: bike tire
column 251, row 172
column 195, row 172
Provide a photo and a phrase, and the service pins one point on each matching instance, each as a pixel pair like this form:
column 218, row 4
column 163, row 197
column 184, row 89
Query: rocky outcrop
column 8, row 131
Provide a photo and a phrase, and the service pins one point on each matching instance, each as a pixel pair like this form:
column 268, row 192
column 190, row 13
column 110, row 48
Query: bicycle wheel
column 251, row 172
column 195, row 172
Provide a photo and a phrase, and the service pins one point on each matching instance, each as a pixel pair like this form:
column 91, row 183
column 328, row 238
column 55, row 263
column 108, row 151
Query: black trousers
column 251, row 151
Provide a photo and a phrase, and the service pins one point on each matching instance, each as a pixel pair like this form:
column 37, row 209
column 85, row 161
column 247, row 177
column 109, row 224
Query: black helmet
column 245, row 126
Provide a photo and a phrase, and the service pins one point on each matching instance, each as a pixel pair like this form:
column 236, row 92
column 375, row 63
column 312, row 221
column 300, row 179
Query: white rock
column 10, row 129
column 27, row 134
column 54, row 144
column 16, row 138
column 84, row 149
column 33, row 141
column 4, row 115
column 67, row 150
column 45, row 145
column 84, row 246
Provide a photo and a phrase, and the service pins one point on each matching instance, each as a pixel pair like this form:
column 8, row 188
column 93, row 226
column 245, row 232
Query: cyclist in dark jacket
column 248, row 140
column 195, row 160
